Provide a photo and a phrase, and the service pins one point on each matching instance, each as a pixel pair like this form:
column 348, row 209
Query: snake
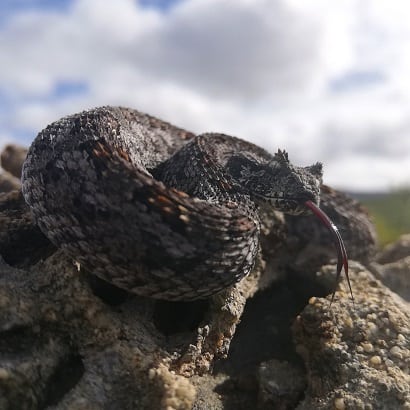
column 158, row 210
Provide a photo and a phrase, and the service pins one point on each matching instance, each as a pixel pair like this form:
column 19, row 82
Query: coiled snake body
column 155, row 209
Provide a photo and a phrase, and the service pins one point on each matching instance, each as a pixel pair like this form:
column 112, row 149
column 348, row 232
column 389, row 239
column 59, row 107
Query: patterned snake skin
column 155, row 209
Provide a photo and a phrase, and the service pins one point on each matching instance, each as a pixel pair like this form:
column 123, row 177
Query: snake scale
column 155, row 209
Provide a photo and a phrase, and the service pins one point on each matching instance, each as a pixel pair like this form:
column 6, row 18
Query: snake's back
column 88, row 180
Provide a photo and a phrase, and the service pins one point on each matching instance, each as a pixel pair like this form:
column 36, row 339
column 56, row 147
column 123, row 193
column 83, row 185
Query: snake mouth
column 342, row 259
column 289, row 205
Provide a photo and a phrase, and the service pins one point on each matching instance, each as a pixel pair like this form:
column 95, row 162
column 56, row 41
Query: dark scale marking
column 153, row 208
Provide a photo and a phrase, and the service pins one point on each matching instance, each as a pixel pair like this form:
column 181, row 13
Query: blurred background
column 327, row 81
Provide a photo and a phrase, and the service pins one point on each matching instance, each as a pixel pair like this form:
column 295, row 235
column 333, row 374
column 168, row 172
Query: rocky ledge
column 68, row 340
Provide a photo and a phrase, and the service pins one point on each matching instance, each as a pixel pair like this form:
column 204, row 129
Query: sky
column 327, row 81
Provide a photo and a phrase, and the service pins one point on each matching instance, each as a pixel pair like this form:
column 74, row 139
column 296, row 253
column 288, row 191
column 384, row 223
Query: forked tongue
column 337, row 239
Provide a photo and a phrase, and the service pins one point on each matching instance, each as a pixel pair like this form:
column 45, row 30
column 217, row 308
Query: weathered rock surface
column 61, row 345
column 8, row 182
column 395, row 251
column 12, row 158
column 392, row 266
column 356, row 355
column 71, row 341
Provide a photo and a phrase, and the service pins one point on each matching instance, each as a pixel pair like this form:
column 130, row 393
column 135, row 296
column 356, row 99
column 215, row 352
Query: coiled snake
column 155, row 209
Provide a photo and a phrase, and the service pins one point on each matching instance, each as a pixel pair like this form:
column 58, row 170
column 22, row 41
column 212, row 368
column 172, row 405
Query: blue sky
column 328, row 81
column 10, row 7
column 163, row 5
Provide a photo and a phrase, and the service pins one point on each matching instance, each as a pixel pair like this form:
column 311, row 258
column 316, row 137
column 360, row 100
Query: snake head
column 290, row 189
column 277, row 182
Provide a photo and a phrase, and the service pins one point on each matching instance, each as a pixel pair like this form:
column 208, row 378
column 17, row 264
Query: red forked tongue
column 341, row 250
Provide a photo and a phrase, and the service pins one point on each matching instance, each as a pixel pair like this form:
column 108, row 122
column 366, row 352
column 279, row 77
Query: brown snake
column 155, row 209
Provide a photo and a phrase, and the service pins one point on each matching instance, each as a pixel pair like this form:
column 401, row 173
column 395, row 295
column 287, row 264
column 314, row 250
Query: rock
column 395, row 275
column 12, row 158
column 392, row 266
column 66, row 342
column 21, row 241
column 69, row 340
column 8, row 183
column 178, row 392
column 395, row 251
column 281, row 385
column 62, row 347
column 356, row 355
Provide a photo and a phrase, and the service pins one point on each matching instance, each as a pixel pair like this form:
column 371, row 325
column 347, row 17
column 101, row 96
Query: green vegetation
column 390, row 213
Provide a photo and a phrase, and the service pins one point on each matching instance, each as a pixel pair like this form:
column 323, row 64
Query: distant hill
column 368, row 195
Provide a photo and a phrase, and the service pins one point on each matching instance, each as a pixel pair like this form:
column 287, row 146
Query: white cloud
column 351, row 173
column 234, row 49
column 282, row 73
